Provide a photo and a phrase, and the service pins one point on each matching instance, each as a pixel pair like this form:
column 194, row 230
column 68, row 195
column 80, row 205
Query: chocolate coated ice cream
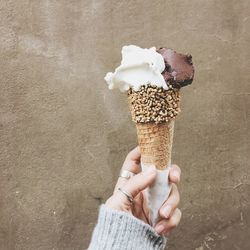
column 179, row 69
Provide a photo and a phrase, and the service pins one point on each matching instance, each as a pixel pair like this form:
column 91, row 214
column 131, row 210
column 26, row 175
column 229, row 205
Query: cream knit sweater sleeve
column 117, row 230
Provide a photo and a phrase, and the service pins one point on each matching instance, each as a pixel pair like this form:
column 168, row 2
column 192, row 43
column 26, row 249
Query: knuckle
column 162, row 213
column 133, row 152
column 177, row 168
column 127, row 159
column 126, row 164
column 175, row 220
column 173, row 223
column 129, row 155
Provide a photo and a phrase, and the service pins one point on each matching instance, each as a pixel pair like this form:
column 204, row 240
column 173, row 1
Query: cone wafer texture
column 155, row 141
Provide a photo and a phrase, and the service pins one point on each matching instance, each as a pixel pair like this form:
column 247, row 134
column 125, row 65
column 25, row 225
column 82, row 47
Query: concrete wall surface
column 64, row 135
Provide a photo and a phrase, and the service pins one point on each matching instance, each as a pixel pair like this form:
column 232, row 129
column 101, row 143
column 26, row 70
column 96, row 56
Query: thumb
column 140, row 181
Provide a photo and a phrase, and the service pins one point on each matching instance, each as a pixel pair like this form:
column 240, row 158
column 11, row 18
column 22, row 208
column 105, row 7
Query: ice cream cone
column 154, row 109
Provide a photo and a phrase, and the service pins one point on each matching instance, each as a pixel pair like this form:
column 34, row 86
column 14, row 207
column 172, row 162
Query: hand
column 169, row 214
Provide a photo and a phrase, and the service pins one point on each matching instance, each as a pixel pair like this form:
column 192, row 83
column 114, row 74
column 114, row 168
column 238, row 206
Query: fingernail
column 150, row 170
column 167, row 210
column 159, row 229
column 176, row 175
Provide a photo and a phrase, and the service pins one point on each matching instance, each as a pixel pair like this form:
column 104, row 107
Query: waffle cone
column 155, row 142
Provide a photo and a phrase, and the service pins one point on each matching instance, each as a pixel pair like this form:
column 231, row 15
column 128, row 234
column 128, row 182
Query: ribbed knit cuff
column 118, row 230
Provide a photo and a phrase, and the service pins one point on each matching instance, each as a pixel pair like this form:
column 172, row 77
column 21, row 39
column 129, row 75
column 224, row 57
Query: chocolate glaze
column 179, row 69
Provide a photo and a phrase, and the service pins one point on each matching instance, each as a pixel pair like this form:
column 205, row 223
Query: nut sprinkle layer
column 154, row 104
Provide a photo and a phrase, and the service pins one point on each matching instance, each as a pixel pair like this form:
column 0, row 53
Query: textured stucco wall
column 64, row 135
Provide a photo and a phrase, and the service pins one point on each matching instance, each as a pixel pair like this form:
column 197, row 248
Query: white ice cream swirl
column 138, row 67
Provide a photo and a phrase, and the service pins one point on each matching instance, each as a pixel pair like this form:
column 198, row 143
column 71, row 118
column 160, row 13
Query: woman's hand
column 169, row 214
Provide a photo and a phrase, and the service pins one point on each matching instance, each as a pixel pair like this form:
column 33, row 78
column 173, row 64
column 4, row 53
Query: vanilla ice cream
column 138, row 67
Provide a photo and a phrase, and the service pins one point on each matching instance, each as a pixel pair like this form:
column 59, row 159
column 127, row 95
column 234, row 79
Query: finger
column 175, row 174
column 171, row 203
column 132, row 164
column 164, row 226
column 133, row 159
column 138, row 209
column 140, row 181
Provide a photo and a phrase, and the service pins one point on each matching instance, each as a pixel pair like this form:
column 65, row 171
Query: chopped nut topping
column 153, row 104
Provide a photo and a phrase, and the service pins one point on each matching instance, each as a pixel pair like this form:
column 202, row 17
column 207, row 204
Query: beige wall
column 64, row 135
